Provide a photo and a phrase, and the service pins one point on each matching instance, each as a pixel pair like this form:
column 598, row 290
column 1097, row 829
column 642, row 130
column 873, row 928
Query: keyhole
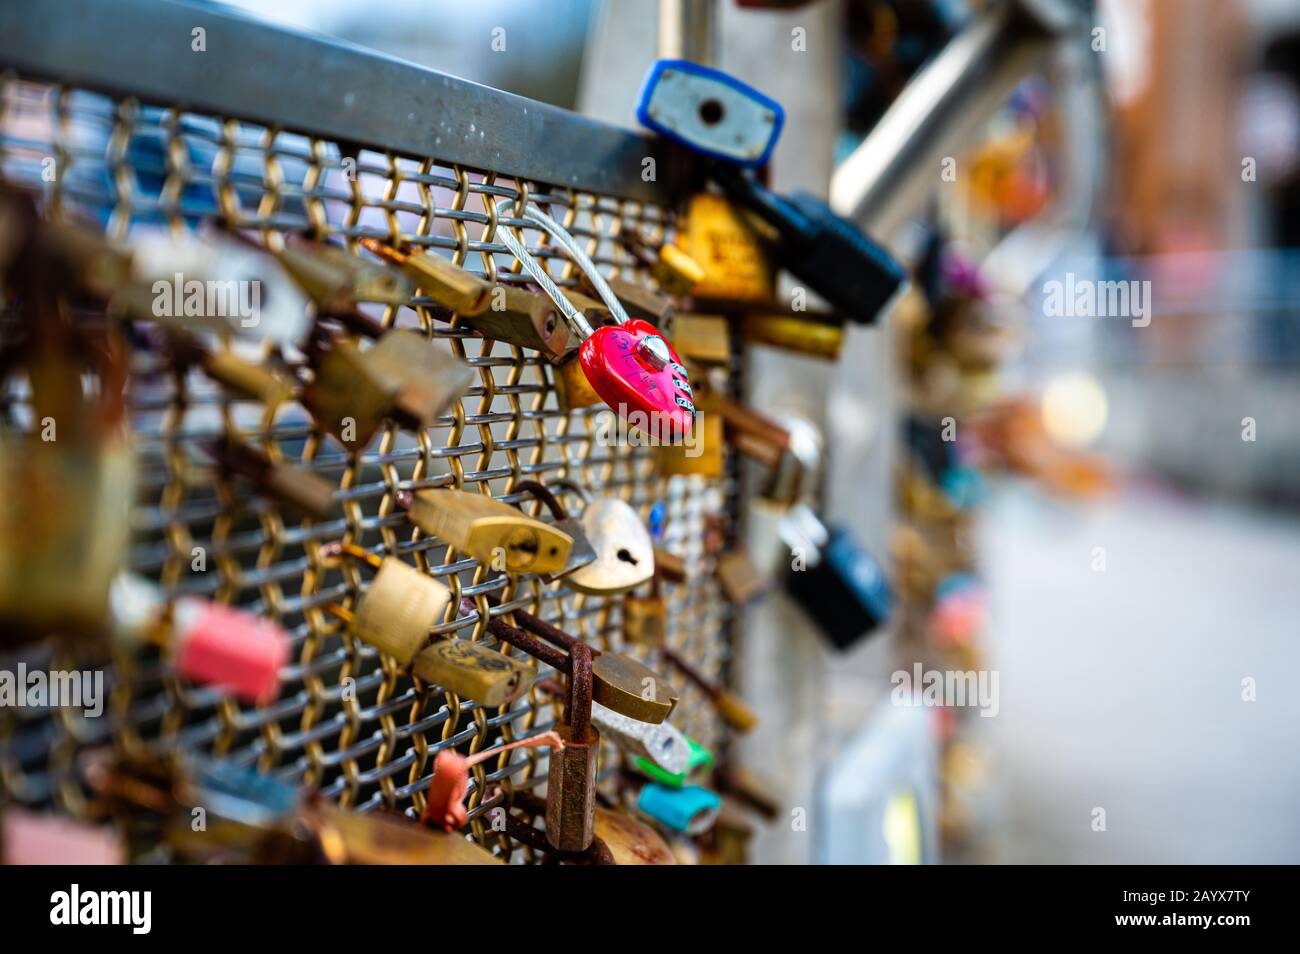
column 626, row 556
column 711, row 112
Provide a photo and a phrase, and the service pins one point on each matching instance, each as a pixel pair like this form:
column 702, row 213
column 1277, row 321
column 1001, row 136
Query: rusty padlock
column 571, row 782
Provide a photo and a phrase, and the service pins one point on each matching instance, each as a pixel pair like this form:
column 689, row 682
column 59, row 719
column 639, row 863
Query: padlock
column 690, row 809
column 676, row 273
column 624, row 550
column 629, row 364
column 404, row 376
column 444, row 805
column 398, row 609
column 733, row 261
column 697, row 758
column 248, row 816
column 32, row 838
column 803, row 335
column 740, row 580
column 856, row 276
column 710, row 111
column 662, row 743
column 338, row 280
column 645, row 617
column 837, row 581
column 703, row 451
column 702, row 339
column 582, row 551
column 240, row 375
column 571, row 779
column 473, row 671
column 620, row 682
column 730, row 707
column 504, row 312
column 66, row 489
column 492, row 532
column 309, row 494
column 223, row 647
column 344, row 836
column 629, row 841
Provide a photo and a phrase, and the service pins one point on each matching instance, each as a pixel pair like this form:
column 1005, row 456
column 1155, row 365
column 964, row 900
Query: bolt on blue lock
column 710, row 111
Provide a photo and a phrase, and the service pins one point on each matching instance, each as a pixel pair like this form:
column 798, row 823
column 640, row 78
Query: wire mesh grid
column 348, row 720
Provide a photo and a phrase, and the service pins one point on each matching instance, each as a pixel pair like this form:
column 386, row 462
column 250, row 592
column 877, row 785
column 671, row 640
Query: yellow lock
column 494, row 533
column 704, row 339
column 474, row 671
column 398, row 610
column 702, row 452
column 572, row 389
column 727, row 249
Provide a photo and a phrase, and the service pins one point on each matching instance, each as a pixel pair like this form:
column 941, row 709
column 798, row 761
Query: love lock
column 625, row 556
column 629, row 364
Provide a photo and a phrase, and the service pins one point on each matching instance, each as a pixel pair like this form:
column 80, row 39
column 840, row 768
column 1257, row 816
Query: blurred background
column 1114, row 529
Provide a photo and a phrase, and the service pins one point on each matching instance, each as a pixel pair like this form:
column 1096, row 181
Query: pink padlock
column 36, row 839
column 229, row 649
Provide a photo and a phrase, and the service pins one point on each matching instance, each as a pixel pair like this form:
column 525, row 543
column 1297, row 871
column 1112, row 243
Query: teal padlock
column 690, row 809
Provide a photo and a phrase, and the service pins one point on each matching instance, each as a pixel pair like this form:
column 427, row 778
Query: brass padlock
column 721, row 242
column 404, row 376
column 702, row 453
column 740, row 580
column 449, row 285
column 337, row 280
column 572, row 389
column 620, row 682
column 629, row 841
column 818, row 339
column 571, row 780
column 309, row 494
column 703, row 339
column 525, row 319
column 671, row 266
column 492, row 532
column 474, row 671
column 624, row 551
column 582, row 552
column 348, row 837
column 398, row 609
column 645, row 617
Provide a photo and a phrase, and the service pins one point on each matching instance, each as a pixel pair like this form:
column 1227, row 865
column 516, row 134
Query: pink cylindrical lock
column 30, row 838
column 229, row 649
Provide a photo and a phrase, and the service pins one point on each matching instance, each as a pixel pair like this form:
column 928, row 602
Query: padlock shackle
column 539, row 491
column 581, row 686
column 522, row 640
column 575, row 319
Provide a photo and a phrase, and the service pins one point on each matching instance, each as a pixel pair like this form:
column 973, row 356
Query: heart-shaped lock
column 638, row 374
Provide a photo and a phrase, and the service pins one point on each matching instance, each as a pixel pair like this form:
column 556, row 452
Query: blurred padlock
column 303, row 491
column 492, row 532
column 571, row 779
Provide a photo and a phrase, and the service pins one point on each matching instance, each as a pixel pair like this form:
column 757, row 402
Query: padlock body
column 572, row 389
column 474, row 671
column 571, row 791
column 630, row 841
column 582, row 552
column 229, row 649
column 398, row 610
column 655, row 401
column 645, row 620
column 492, row 532
column 845, row 591
column 624, row 551
column 64, row 528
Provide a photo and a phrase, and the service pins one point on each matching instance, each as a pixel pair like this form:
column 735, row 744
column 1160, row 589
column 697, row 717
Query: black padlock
column 856, row 276
column 834, row 578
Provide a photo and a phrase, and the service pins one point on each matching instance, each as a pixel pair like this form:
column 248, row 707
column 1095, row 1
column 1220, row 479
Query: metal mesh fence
column 347, row 720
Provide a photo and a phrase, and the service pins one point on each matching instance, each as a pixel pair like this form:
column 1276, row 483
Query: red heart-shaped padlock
column 638, row 374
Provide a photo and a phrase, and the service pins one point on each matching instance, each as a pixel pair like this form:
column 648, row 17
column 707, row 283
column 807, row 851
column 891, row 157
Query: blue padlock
column 689, row 809
column 711, row 112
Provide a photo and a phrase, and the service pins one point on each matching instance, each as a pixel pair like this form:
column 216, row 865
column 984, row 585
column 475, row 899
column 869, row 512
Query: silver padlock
column 625, row 556
column 663, row 744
